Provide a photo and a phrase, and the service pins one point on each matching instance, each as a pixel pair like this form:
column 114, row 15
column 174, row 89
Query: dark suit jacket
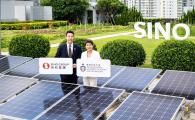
column 63, row 53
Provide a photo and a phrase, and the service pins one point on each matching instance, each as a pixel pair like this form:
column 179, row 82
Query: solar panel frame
column 30, row 91
column 122, row 91
column 158, row 71
column 17, row 91
column 130, row 94
column 2, row 56
column 172, row 80
column 26, row 59
column 151, row 81
column 49, row 77
column 9, row 117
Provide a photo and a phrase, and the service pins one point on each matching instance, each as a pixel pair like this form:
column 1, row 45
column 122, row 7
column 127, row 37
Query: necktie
column 69, row 51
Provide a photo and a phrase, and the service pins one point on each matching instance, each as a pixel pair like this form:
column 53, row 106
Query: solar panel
column 177, row 83
column 11, row 62
column 29, row 69
column 145, row 106
column 35, row 100
column 51, row 77
column 11, row 85
column 102, row 80
column 133, row 78
column 87, row 103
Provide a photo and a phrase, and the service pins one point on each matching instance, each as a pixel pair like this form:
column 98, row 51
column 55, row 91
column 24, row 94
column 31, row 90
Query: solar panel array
column 11, row 62
column 36, row 99
column 11, row 85
column 87, row 103
column 144, row 106
column 54, row 100
column 133, row 78
column 177, row 83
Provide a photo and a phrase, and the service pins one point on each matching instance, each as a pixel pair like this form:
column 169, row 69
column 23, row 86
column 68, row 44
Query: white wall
column 47, row 13
column 20, row 13
column 40, row 13
column 8, row 9
column 23, row 10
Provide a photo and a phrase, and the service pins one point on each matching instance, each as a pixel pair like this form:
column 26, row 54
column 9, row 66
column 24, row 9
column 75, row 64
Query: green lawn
column 56, row 35
column 58, row 39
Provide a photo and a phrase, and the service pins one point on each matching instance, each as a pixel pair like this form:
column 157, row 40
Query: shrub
column 31, row 25
column 5, row 42
column 124, row 52
column 80, row 42
column 59, row 23
column 131, row 25
column 11, row 27
column 29, row 46
column 174, row 55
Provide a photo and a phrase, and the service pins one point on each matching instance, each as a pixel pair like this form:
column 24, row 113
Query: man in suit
column 69, row 50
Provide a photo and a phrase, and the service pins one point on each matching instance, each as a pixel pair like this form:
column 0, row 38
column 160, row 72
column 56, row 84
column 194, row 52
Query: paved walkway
column 93, row 38
column 4, row 53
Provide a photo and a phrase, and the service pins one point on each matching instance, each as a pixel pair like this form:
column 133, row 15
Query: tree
column 128, row 15
column 189, row 17
column 110, row 8
column 71, row 10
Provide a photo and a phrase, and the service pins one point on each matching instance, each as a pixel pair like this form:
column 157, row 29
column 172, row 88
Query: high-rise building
column 169, row 9
column 148, row 8
column 129, row 3
column 188, row 5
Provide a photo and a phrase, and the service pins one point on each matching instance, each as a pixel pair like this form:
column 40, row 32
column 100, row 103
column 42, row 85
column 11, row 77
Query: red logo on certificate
column 46, row 65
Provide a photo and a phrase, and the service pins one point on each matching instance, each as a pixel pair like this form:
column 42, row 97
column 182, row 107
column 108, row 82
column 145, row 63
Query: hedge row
column 32, row 25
